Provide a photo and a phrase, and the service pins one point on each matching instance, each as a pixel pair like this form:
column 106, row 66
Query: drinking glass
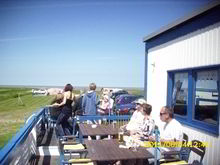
column 114, row 123
column 105, row 121
column 120, row 137
column 135, row 145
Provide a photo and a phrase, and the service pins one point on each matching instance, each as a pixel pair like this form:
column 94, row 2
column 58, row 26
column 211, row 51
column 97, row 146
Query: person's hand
column 133, row 132
column 48, row 106
column 152, row 138
column 137, row 135
column 123, row 128
column 101, row 111
column 55, row 105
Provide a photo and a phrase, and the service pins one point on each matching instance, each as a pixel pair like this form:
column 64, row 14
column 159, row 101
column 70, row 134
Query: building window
column 206, row 97
column 194, row 96
column 180, row 93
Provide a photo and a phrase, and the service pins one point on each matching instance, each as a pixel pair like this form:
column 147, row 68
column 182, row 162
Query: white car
column 39, row 91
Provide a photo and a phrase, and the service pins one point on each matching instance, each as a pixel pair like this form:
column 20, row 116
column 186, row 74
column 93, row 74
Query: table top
column 102, row 130
column 108, row 150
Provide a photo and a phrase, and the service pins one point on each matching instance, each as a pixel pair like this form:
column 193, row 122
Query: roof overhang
column 181, row 20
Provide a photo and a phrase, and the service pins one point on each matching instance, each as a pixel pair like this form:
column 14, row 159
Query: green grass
column 6, row 93
column 14, row 110
column 136, row 91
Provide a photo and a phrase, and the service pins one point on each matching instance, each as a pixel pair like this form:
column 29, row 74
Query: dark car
column 116, row 94
column 124, row 104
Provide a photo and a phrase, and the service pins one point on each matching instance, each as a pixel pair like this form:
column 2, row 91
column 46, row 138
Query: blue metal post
column 157, row 134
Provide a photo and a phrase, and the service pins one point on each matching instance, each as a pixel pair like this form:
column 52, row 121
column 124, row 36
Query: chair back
column 184, row 151
column 185, row 139
column 198, row 148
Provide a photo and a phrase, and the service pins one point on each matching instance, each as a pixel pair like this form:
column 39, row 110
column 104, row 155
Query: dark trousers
column 62, row 125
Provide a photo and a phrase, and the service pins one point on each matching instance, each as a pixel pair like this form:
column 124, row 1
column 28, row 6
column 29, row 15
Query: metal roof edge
column 182, row 20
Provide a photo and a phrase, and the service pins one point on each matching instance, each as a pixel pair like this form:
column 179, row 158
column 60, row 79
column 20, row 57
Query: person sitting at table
column 143, row 131
column 134, row 125
column 136, row 120
column 147, row 128
column 172, row 131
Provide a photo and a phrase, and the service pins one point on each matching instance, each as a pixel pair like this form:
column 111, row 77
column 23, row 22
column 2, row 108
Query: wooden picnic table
column 109, row 150
column 101, row 130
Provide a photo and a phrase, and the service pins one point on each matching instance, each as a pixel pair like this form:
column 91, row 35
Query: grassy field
column 14, row 110
column 17, row 104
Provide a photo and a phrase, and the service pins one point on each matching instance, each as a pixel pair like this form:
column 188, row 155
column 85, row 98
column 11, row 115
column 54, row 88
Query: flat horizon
column 58, row 86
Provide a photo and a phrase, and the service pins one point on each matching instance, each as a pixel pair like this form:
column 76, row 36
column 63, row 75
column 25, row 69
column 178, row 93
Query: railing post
column 157, row 134
column 11, row 151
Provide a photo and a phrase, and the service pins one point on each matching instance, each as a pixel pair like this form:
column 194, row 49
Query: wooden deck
column 48, row 153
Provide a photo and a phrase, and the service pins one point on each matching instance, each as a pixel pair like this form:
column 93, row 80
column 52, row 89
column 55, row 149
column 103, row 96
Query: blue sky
column 81, row 41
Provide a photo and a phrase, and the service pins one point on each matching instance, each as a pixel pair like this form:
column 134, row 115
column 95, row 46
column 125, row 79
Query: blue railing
column 99, row 117
column 94, row 119
column 11, row 153
column 26, row 139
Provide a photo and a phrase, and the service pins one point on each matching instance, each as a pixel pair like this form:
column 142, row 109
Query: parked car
column 39, row 92
column 120, row 92
column 124, row 104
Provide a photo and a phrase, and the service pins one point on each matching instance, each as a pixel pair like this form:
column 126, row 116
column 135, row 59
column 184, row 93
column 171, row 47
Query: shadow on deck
column 48, row 153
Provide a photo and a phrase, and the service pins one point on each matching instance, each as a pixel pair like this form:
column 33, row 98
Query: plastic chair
column 183, row 154
column 70, row 145
column 80, row 162
column 198, row 148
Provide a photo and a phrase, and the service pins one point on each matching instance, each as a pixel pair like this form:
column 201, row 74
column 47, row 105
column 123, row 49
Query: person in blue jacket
column 89, row 102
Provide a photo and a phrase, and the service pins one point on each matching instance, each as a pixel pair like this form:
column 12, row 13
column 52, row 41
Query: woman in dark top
column 62, row 125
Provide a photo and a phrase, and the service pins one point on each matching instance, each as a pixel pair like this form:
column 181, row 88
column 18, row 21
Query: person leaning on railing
column 55, row 111
column 62, row 125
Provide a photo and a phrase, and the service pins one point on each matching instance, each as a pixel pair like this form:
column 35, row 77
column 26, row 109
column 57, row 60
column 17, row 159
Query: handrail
column 17, row 139
column 93, row 118
column 97, row 117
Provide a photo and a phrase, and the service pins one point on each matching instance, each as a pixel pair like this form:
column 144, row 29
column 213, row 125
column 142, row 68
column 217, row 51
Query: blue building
column 182, row 70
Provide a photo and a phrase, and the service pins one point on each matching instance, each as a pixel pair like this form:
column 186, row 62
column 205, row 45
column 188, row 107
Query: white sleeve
column 177, row 131
column 131, row 123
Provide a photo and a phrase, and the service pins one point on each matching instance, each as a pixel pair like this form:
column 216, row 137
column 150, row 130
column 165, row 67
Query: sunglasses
column 161, row 114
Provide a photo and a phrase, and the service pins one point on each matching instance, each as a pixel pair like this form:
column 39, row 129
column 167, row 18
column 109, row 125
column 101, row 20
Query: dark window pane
column 180, row 94
column 206, row 100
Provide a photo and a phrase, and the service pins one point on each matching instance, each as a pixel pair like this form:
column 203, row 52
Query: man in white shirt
column 171, row 132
